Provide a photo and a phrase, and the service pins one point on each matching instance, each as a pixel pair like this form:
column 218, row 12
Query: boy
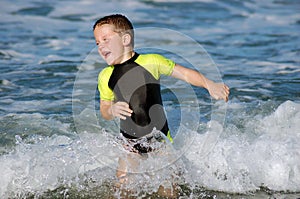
column 129, row 87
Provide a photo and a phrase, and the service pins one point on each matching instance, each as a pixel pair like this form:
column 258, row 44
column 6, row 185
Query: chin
column 110, row 62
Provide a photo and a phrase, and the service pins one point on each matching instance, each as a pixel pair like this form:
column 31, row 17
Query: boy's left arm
column 216, row 90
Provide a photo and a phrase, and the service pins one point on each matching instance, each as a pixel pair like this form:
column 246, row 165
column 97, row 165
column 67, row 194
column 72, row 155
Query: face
column 110, row 44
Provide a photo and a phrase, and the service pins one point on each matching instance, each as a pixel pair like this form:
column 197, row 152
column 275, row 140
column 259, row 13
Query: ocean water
column 54, row 143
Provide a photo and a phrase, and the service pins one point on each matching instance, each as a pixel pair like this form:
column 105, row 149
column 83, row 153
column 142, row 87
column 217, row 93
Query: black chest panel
column 133, row 84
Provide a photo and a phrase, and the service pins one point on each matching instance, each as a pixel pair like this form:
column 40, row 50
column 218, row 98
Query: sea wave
column 263, row 154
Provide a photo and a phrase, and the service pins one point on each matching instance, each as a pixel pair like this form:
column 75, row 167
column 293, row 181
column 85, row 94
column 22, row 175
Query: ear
column 126, row 39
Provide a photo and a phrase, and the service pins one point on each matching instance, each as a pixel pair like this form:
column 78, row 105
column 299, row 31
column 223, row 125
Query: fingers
column 226, row 92
column 121, row 110
column 222, row 91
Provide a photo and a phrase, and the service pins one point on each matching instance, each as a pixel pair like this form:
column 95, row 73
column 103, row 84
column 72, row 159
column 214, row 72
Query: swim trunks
column 152, row 142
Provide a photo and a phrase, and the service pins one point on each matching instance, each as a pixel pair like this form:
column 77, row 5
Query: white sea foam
column 238, row 162
column 241, row 163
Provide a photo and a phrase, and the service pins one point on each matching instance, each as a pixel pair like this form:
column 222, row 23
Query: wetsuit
column 136, row 82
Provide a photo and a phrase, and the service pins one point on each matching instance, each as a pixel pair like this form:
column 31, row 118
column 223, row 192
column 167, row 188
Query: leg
column 168, row 192
column 122, row 170
column 127, row 164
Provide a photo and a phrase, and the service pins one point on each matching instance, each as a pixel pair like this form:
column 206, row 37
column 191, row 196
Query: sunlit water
column 53, row 142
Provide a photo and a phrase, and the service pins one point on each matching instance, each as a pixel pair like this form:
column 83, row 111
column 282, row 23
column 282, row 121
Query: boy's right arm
column 109, row 110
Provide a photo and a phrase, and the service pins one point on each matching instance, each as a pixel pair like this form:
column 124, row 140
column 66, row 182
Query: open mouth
column 106, row 54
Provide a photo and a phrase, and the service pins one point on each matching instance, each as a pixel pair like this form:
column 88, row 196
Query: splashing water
column 264, row 155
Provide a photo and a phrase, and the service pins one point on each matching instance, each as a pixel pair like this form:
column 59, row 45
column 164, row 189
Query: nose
column 100, row 45
column 100, row 49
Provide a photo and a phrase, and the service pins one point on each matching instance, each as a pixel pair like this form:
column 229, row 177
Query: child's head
column 120, row 22
column 114, row 36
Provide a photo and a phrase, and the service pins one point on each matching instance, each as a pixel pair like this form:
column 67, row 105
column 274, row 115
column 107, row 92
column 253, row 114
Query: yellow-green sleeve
column 165, row 66
column 105, row 92
column 156, row 64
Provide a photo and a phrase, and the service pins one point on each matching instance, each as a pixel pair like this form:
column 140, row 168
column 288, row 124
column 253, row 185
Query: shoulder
column 156, row 59
column 151, row 57
column 156, row 64
column 106, row 72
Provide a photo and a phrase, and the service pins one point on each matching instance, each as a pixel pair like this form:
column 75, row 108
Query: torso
column 132, row 83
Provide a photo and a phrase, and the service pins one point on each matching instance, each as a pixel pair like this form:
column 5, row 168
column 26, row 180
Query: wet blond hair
column 120, row 22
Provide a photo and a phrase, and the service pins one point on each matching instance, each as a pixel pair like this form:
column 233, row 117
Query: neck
column 128, row 56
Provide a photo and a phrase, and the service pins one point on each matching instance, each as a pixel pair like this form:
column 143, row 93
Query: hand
column 218, row 91
column 121, row 110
